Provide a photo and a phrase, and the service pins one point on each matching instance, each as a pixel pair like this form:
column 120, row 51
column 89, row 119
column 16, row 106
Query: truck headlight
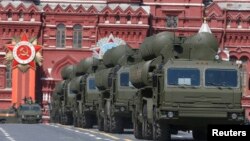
column 234, row 115
column 170, row 114
column 122, row 109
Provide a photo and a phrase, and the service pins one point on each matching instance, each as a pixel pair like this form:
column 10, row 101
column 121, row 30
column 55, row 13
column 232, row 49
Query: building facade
column 68, row 33
column 71, row 31
column 230, row 22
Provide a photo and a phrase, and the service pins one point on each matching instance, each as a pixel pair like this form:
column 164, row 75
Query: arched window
column 8, row 76
column 77, row 36
column 239, row 23
column 233, row 58
column 117, row 18
column 244, row 59
column 139, row 18
column 228, row 22
column 105, row 17
column 128, row 17
column 9, row 15
column 32, row 16
column 60, row 36
column 20, row 15
column 248, row 22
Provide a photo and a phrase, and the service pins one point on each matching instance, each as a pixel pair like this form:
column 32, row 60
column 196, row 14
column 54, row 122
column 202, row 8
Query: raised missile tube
column 59, row 88
column 152, row 46
column 201, row 46
column 112, row 57
column 75, row 85
column 103, row 79
column 85, row 65
column 68, row 72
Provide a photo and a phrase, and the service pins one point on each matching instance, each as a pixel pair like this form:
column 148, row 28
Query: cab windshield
column 30, row 108
column 24, row 108
column 35, row 108
column 124, row 80
column 92, row 85
column 183, row 76
column 221, row 77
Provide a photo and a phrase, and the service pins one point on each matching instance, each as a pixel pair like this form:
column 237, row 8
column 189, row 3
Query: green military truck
column 181, row 86
column 87, row 94
column 66, row 100
column 56, row 104
column 29, row 113
column 116, row 90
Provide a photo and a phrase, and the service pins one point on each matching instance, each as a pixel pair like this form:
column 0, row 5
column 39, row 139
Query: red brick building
column 71, row 30
column 67, row 32
column 230, row 22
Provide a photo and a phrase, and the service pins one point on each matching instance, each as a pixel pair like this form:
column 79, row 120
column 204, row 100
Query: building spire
column 205, row 27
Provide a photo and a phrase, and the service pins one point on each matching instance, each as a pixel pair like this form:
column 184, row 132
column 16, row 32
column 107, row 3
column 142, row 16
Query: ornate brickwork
column 230, row 22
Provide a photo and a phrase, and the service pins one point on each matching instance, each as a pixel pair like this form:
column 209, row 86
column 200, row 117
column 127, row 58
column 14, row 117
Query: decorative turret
column 205, row 27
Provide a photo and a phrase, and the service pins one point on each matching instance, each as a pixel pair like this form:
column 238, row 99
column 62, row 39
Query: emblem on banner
column 24, row 54
column 105, row 44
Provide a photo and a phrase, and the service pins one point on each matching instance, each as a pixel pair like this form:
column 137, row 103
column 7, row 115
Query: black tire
column 199, row 134
column 161, row 132
column 86, row 121
column 69, row 119
column 75, row 121
column 56, row 118
column 100, row 123
column 80, row 120
column 107, row 118
column 147, row 129
column 64, row 119
column 137, row 129
column 106, row 124
column 156, row 131
column 116, row 124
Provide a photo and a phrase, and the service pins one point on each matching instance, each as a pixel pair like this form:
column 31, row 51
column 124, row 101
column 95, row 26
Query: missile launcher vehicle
column 66, row 97
column 185, row 88
column 116, row 89
column 87, row 94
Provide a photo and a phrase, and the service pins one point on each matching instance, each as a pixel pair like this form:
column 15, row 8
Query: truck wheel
column 116, row 125
column 106, row 124
column 137, row 129
column 161, row 132
column 86, row 121
column 146, row 126
column 68, row 119
column 156, row 131
column 75, row 121
column 64, row 119
column 57, row 118
column 80, row 119
column 199, row 134
column 100, row 123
